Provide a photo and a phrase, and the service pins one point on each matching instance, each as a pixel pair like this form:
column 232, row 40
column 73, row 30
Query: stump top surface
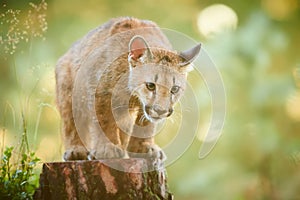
column 137, row 165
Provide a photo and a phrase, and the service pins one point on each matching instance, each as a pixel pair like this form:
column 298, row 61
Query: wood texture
column 101, row 180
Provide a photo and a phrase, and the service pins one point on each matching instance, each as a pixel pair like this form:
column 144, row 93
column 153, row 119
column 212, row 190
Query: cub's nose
column 160, row 111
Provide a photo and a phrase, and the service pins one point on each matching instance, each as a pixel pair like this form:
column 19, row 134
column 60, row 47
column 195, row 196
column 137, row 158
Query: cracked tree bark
column 96, row 180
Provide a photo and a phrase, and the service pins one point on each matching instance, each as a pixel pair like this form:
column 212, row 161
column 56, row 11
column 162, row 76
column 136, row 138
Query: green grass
column 17, row 170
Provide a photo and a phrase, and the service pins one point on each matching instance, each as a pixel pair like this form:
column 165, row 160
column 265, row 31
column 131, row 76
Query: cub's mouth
column 156, row 113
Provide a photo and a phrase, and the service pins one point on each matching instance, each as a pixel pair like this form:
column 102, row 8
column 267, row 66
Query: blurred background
column 255, row 45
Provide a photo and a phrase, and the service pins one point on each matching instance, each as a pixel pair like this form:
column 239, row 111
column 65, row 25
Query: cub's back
column 121, row 30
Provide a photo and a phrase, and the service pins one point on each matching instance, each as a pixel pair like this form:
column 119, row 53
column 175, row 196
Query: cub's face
column 158, row 88
column 157, row 77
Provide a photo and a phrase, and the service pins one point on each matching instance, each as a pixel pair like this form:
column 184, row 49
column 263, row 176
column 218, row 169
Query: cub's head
column 157, row 76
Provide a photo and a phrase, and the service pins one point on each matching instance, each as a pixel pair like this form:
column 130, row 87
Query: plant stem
column 24, row 136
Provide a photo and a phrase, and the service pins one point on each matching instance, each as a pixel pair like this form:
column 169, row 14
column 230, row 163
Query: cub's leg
column 106, row 144
column 74, row 148
column 142, row 144
column 124, row 137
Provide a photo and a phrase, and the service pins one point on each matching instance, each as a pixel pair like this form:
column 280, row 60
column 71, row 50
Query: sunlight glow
column 216, row 19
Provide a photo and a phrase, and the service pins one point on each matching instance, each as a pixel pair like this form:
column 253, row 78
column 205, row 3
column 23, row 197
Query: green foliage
column 17, row 180
column 17, row 169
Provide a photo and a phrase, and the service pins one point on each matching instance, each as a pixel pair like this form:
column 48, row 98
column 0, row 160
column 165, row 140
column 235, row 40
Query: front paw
column 155, row 152
column 76, row 153
column 152, row 152
column 106, row 151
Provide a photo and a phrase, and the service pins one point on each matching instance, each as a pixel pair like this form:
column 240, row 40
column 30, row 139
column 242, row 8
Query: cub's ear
column 138, row 48
column 188, row 57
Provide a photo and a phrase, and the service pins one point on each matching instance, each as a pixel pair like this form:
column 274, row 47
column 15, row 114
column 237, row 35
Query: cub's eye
column 150, row 86
column 175, row 89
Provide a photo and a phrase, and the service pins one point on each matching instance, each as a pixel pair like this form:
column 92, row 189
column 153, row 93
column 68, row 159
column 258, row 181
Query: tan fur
column 119, row 96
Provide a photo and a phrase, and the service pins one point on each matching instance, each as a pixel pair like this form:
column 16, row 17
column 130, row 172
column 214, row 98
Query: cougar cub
column 114, row 85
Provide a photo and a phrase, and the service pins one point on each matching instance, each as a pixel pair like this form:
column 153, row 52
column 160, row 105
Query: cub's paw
column 76, row 153
column 152, row 152
column 155, row 152
column 108, row 150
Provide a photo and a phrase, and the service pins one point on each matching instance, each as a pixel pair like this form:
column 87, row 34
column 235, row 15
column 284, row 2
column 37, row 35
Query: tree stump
column 102, row 179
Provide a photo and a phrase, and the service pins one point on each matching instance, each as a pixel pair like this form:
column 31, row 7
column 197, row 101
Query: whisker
column 176, row 116
column 188, row 110
column 142, row 119
column 172, row 120
column 177, row 112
